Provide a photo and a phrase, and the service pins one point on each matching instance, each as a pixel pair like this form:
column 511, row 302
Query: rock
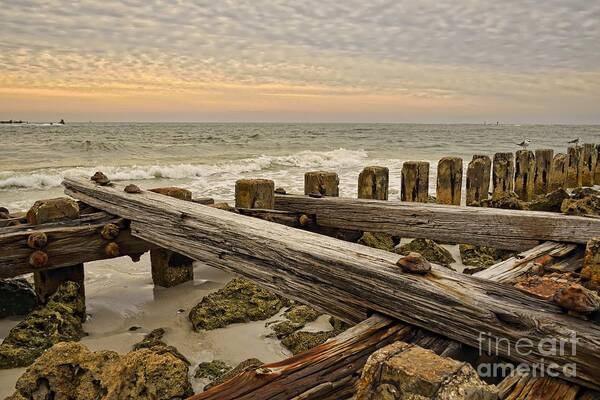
column 414, row 263
column 154, row 339
column 582, row 192
column 338, row 325
column 550, row 202
column 239, row 301
column 17, row 297
column 100, row 178
column 280, row 190
column 59, row 321
column 301, row 314
column 52, row 210
column 211, row 370
column 110, row 231
column 591, row 262
column 504, row 200
column 246, row 365
column 482, row 256
column 71, row 371
column 131, row 188
column 545, row 287
column 178, row 193
column 429, row 249
column 589, row 205
column 301, row 341
column 378, row 240
column 408, row 372
column 578, row 299
column 283, row 329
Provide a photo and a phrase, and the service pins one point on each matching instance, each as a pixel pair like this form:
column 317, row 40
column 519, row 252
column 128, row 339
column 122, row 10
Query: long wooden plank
column 337, row 368
column 507, row 229
column 69, row 242
column 346, row 279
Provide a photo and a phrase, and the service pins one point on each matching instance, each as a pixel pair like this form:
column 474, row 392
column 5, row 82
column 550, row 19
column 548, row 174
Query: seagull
column 524, row 143
column 575, row 141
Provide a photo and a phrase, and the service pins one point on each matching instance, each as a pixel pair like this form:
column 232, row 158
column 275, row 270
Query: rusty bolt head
column 112, row 250
column 37, row 240
column 304, row 220
column 100, row 178
column 110, row 231
column 38, row 259
column 578, row 299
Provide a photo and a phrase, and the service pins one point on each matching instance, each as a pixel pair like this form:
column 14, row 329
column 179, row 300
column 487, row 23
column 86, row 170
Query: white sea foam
column 50, row 178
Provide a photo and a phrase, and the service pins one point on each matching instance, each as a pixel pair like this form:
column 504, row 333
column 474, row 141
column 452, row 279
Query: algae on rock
column 239, row 301
column 378, row 240
column 70, row 371
column 246, row 365
column 211, row 369
column 429, row 249
column 300, row 341
column 154, row 339
column 59, row 321
column 17, row 297
column 551, row 202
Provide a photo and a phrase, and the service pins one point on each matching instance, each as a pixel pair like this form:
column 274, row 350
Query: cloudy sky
column 311, row 60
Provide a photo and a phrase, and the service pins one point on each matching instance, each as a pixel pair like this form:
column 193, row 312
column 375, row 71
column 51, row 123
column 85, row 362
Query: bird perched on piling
column 575, row 141
column 524, row 143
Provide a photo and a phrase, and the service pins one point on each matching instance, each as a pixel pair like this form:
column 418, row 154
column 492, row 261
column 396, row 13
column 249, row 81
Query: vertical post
column 321, row 182
column 373, row 183
column 255, row 193
column 170, row 268
column 543, row 166
column 415, row 181
column 558, row 172
column 573, row 167
column 47, row 282
column 597, row 168
column 449, row 180
column 588, row 163
column 524, row 174
column 591, row 262
column 478, row 179
column 503, row 174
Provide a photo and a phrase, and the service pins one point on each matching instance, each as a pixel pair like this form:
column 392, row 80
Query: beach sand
column 120, row 294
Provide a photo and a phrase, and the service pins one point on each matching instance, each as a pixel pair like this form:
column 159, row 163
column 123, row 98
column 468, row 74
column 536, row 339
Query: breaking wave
column 49, row 178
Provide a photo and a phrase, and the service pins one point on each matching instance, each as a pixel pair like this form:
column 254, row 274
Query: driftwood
column 347, row 279
column 68, row 243
column 506, row 229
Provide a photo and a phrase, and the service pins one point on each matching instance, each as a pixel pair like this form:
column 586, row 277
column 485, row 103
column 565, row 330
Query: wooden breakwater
column 331, row 275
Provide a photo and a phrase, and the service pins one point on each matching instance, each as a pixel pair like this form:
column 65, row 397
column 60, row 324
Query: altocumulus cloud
column 481, row 52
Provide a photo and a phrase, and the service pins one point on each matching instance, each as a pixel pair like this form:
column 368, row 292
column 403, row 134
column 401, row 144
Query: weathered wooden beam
column 68, row 243
column 324, row 183
column 347, row 279
column 254, row 193
column 449, row 180
column 574, row 166
column 525, row 386
column 506, row 229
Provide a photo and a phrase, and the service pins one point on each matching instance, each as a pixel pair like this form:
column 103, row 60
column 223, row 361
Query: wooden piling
column 524, row 174
column 47, row 282
column 255, row 193
column 591, row 262
column 597, row 169
column 324, row 183
column 543, row 166
column 373, row 183
column 415, row 181
column 449, row 180
column 589, row 160
column 503, row 174
column 478, row 179
column 170, row 268
column 574, row 167
column 558, row 173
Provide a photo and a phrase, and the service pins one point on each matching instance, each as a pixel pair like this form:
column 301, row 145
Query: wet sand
column 120, row 294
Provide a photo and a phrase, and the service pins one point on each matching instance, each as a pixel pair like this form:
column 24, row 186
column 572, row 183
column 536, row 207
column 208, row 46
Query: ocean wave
column 49, row 178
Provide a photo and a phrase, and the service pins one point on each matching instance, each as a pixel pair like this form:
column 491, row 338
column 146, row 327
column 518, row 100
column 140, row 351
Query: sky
column 304, row 61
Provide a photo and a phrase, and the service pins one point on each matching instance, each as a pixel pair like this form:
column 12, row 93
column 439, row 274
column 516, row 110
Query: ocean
column 208, row 158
